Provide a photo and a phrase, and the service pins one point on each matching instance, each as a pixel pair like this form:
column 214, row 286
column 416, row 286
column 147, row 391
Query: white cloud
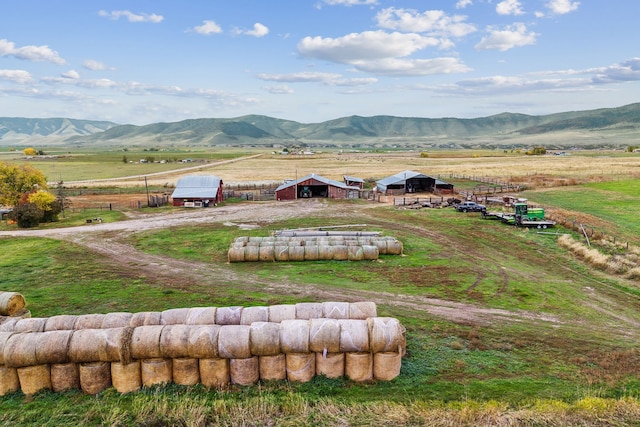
column 71, row 74
column 461, row 4
column 350, row 2
column 16, row 76
column 412, row 67
column 93, row 65
column 432, row 22
column 329, row 79
column 509, row 7
column 279, row 90
column 515, row 35
column 560, row 7
column 30, row 53
column 207, row 27
column 259, row 30
column 132, row 17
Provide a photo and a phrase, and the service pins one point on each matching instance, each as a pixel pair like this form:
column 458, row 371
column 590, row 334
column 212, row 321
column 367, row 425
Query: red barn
column 198, row 191
column 316, row 186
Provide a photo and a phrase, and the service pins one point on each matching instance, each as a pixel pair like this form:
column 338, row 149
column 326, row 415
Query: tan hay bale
column 95, row 377
column 203, row 341
column 20, row 350
column 325, row 252
column 234, row 342
column 201, row 316
column 244, row 371
column 146, row 318
column 273, row 367
column 264, row 338
column 7, row 324
column 335, row 310
column 354, row 335
column 281, row 253
column 296, row 253
column 311, row 253
column 359, row 366
column 386, row 366
column 9, row 381
column 90, row 321
column 308, row 310
column 266, row 253
column 228, row 315
column 4, row 337
column 355, row 253
column 331, row 365
column 394, row 247
column 278, row 313
column 116, row 320
column 101, row 345
column 145, row 342
column 301, row 367
column 126, row 377
column 11, row 303
column 370, row 252
column 362, row 310
column 63, row 322
column 340, row 253
column 53, row 347
column 294, row 336
column 214, row 372
column 186, row 371
column 174, row 341
column 155, row 371
column 252, row 253
column 236, row 254
column 174, row 316
column 238, row 244
column 34, row 378
column 23, row 314
column 381, row 244
column 254, row 314
column 33, row 324
column 241, row 239
column 64, row 377
column 386, row 335
column 324, row 335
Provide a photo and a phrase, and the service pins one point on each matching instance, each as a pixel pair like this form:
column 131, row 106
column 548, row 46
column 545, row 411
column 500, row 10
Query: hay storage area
column 95, row 377
column 64, row 377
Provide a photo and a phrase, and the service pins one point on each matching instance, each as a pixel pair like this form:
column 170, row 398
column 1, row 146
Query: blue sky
column 148, row 61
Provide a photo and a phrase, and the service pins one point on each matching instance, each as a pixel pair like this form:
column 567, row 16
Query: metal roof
column 352, row 178
column 400, row 178
column 317, row 178
column 197, row 187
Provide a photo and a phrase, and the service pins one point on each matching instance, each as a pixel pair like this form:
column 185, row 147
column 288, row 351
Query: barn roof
column 197, row 187
column 400, row 178
column 352, row 179
column 317, row 178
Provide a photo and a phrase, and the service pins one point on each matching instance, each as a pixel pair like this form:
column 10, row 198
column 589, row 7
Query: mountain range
column 600, row 128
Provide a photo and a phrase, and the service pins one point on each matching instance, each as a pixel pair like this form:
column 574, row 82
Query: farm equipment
column 306, row 192
column 522, row 216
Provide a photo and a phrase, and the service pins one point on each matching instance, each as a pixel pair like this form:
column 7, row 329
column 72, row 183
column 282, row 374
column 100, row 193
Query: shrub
column 27, row 215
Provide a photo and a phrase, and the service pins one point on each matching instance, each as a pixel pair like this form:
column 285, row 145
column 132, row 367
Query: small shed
column 313, row 185
column 412, row 182
column 352, row 181
column 197, row 191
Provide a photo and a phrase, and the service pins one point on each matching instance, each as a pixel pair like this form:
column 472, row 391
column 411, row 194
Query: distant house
column 197, row 191
column 412, row 182
column 312, row 186
column 352, row 181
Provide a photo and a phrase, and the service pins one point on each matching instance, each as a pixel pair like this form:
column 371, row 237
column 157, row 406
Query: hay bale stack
column 355, row 253
column 294, row 336
column 386, row 366
column 214, row 372
column 63, row 322
column 20, row 350
column 394, row 247
column 7, row 324
column 335, row 310
column 228, row 315
column 280, row 312
column 116, row 320
column 156, row 371
column 264, row 338
column 53, row 347
column 9, row 381
column 331, row 365
column 266, row 253
column 362, row 310
column 95, row 377
column 386, row 335
column 340, row 253
column 244, row 371
column 236, row 254
column 201, row 316
column 311, row 252
column 186, row 371
column 174, row 341
column 354, row 335
column 145, row 342
column 325, row 253
column 301, row 367
column 359, row 366
column 101, row 345
column 203, row 341
column 273, row 367
column 324, row 335
column 126, row 377
column 234, row 342
column 33, row 324
column 252, row 253
column 34, row 378
column 174, row 316
column 146, row 318
column 65, row 377
column 90, row 321
column 11, row 303
column 370, row 252
column 296, row 253
column 281, row 253
column 254, row 314
column 308, row 310
column 4, row 337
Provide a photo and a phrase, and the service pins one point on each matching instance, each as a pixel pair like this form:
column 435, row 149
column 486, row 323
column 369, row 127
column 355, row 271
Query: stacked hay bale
column 312, row 248
column 214, row 346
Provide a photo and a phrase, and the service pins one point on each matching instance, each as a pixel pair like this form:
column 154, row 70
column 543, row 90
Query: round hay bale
column 214, row 372
column 186, row 371
column 381, row 244
column 394, row 247
column 359, row 366
column 296, row 253
column 34, row 378
column 89, row 321
column 155, row 371
column 254, row 314
column 264, row 338
column 33, row 324
column 4, row 337
column 116, row 320
column 325, row 252
column 64, row 377
column 145, row 318
column 145, row 342
column 370, row 252
column 386, row 335
column 278, row 313
column 234, row 342
column 7, row 324
column 335, row 310
column 331, row 365
column 101, row 345
column 244, row 371
column 251, row 253
column 174, row 341
column 203, row 341
column 311, row 253
column 362, row 310
column 20, row 350
column 386, row 366
column 301, row 367
column 238, row 244
column 53, row 347
column 174, row 316
column 126, row 377
column 236, row 254
column 201, row 316
column 273, row 367
column 294, row 336
column 266, row 253
column 324, row 335
column 228, row 315
column 355, row 253
column 281, row 253
column 95, row 377
column 308, row 310
column 340, row 253
column 241, row 239
column 63, row 322
column 11, row 303
column 9, row 382
column 354, row 335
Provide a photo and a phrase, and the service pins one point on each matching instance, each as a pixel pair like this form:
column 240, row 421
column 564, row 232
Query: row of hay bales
column 129, row 358
column 337, row 248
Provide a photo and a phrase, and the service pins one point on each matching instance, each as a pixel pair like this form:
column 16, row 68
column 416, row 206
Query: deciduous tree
column 16, row 180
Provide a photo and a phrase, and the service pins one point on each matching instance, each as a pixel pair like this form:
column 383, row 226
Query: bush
column 27, row 215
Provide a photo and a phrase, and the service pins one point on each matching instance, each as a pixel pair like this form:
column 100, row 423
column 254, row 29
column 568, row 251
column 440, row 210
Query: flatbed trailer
column 519, row 220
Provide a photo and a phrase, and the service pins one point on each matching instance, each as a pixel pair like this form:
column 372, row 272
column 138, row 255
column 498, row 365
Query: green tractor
column 530, row 217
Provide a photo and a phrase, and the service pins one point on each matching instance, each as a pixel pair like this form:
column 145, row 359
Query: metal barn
column 313, row 185
column 412, row 182
column 197, row 191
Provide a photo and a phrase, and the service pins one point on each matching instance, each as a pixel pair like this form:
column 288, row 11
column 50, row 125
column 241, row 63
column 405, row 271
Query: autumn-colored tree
column 16, row 180
column 30, row 151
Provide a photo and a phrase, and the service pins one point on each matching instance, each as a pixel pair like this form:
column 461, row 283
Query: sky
column 148, row 61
